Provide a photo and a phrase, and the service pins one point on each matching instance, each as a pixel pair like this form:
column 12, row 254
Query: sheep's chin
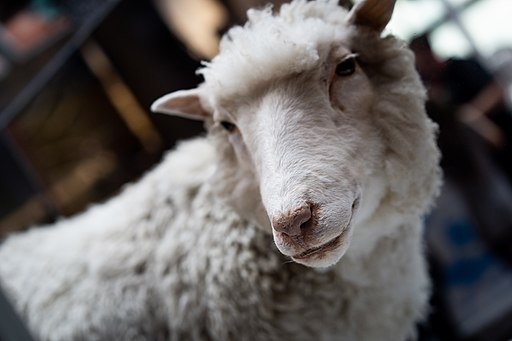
column 325, row 255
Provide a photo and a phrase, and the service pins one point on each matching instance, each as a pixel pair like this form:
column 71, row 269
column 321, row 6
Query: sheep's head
column 295, row 95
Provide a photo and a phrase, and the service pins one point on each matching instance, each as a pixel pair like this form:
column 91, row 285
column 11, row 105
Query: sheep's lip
column 329, row 246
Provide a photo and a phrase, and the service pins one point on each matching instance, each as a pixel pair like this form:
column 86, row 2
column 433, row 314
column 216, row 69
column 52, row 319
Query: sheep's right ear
column 184, row 103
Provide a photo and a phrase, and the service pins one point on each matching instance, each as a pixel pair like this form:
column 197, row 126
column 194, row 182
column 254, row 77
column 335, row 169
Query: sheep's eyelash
column 349, row 56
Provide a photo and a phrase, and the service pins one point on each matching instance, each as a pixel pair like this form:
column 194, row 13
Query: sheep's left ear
column 183, row 103
column 374, row 14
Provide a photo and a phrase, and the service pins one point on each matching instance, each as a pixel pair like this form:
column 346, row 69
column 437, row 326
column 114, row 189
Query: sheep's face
column 301, row 154
column 310, row 140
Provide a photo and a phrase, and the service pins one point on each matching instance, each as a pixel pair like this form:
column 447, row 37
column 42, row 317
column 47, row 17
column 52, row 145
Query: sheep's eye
column 346, row 67
column 230, row 127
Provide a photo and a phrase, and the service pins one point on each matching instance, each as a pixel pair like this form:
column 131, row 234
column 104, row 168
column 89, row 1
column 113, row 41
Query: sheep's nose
column 290, row 222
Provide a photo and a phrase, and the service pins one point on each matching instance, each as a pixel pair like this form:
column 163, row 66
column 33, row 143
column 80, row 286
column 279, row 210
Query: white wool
column 167, row 260
column 270, row 47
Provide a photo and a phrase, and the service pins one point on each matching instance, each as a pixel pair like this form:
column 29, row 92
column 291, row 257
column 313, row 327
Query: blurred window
column 461, row 28
column 415, row 17
column 485, row 24
column 449, row 41
column 489, row 24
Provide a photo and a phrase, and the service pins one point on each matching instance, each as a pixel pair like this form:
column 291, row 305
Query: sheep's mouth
column 322, row 249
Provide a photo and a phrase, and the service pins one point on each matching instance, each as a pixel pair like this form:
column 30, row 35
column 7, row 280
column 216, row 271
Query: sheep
column 298, row 216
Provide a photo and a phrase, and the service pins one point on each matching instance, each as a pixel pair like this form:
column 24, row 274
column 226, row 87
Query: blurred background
column 77, row 78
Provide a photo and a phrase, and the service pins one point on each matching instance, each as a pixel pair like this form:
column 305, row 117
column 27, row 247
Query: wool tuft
column 272, row 46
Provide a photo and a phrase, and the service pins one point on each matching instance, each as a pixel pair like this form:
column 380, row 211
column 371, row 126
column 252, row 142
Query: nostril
column 312, row 221
column 290, row 223
column 355, row 204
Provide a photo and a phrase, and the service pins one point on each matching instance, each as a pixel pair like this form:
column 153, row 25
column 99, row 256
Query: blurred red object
column 28, row 32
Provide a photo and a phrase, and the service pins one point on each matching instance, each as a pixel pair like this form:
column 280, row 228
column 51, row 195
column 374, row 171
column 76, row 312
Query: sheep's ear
column 374, row 14
column 184, row 103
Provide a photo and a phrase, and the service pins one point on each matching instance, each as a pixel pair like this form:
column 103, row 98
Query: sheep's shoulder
column 96, row 259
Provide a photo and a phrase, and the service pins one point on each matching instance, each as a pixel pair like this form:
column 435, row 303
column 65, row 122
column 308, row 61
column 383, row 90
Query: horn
column 374, row 14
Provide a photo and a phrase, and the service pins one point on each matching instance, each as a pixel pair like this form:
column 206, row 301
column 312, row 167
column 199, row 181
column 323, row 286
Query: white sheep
column 317, row 136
